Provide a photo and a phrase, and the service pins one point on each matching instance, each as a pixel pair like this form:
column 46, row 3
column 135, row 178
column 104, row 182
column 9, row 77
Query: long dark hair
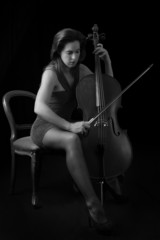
column 61, row 39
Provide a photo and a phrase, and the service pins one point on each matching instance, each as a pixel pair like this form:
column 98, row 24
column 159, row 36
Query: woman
column 54, row 104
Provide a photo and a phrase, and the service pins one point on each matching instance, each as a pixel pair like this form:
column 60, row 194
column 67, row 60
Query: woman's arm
column 48, row 84
column 104, row 55
column 108, row 65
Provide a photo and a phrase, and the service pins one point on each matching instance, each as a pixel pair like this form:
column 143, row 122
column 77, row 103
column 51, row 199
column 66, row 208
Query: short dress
column 62, row 103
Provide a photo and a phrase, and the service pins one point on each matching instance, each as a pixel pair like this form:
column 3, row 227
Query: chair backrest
column 18, row 106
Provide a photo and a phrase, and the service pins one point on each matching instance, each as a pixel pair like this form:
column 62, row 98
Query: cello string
column 97, row 97
column 102, row 100
column 102, row 104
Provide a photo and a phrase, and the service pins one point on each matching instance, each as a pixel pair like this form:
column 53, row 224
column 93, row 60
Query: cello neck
column 100, row 102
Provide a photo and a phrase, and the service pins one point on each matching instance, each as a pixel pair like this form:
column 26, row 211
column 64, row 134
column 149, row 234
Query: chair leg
column 35, row 180
column 13, row 174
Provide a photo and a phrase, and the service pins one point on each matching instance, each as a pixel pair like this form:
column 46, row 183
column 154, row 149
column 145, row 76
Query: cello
column 107, row 148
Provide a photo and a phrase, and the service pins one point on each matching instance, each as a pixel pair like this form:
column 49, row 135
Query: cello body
column 107, row 149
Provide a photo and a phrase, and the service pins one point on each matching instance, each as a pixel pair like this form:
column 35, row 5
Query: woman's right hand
column 80, row 127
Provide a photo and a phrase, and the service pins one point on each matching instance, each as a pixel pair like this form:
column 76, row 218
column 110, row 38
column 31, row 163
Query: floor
column 63, row 215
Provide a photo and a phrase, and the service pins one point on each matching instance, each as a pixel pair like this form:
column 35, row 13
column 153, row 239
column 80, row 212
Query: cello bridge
column 102, row 123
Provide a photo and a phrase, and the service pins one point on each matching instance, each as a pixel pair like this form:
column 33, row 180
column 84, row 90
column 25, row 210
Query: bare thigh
column 57, row 138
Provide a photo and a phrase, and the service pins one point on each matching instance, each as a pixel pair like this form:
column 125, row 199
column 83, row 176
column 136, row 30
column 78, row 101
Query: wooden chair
column 22, row 144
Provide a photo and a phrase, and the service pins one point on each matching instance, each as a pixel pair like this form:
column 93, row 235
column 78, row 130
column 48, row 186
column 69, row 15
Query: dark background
column 132, row 39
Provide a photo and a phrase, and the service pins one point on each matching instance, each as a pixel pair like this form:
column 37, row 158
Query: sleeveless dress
column 62, row 103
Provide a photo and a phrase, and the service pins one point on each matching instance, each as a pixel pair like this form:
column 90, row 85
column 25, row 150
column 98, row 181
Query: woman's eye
column 69, row 52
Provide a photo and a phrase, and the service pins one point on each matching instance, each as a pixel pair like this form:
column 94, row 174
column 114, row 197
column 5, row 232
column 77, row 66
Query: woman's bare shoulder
column 49, row 74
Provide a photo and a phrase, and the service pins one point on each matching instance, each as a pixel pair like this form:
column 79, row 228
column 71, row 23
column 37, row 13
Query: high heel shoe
column 104, row 227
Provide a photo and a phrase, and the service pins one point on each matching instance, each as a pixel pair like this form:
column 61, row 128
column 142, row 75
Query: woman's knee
column 59, row 139
column 73, row 141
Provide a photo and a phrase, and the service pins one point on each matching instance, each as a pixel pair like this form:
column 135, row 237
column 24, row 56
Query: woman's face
column 70, row 54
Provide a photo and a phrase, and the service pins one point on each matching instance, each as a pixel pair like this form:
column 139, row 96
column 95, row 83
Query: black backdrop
column 132, row 39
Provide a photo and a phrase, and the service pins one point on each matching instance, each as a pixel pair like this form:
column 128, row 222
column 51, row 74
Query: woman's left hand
column 102, row 52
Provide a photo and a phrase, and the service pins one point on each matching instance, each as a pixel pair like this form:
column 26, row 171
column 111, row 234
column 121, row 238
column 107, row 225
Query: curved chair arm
column 5, row 101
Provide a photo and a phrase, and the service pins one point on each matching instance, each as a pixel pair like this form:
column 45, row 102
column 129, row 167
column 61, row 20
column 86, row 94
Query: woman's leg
column 70, row 142
column 76, row 165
